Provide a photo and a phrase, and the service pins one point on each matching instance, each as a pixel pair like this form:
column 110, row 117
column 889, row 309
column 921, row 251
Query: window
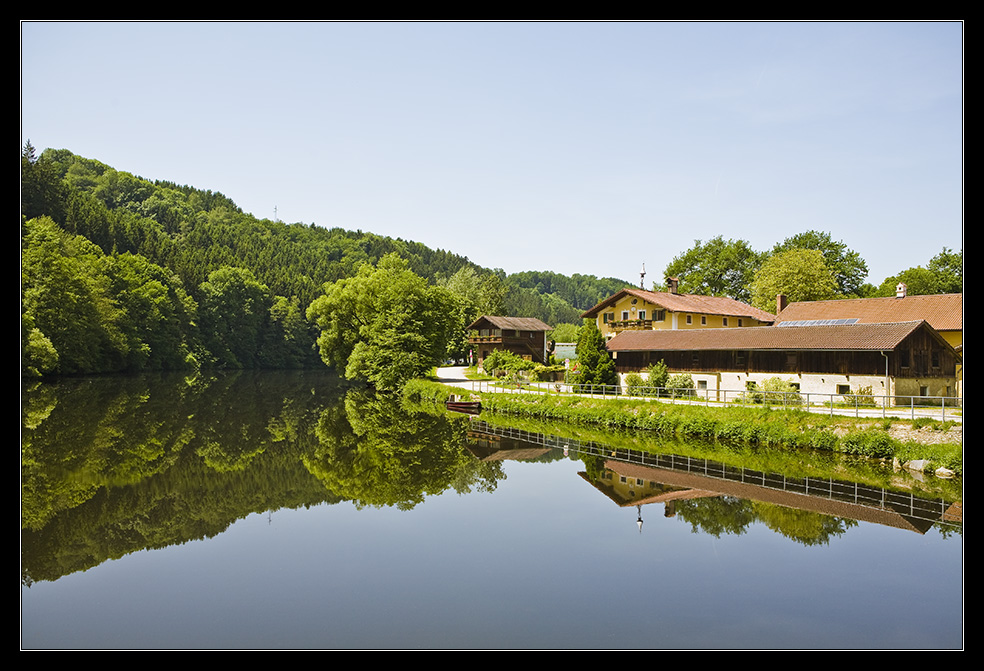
column 625, row 315
column 659, row 315
column 740, row 322
column 703, row 320
column 642, row 315
column 702, row 384
column 724, row 321
column 690, row 319
column 843, row 389
column 935, row 355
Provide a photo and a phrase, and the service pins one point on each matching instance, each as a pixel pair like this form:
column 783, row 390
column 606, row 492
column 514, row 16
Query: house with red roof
column 640, row 310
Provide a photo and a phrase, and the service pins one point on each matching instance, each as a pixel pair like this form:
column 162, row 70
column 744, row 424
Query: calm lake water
column 290, row 511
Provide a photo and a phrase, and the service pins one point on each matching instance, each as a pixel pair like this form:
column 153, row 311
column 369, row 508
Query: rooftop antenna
column 642, row 278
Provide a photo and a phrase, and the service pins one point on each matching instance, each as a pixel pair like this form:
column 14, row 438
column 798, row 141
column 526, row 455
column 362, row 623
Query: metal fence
column 935, row 510
column 942, row 408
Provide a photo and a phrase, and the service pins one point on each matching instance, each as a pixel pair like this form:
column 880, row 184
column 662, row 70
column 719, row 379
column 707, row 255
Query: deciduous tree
column 385, row 325
column 799, row 274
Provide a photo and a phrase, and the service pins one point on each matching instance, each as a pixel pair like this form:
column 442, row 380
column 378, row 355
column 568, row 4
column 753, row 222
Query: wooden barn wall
column 919, row 348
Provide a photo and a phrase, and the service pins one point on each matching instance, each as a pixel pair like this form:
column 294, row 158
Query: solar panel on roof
column 819, row 322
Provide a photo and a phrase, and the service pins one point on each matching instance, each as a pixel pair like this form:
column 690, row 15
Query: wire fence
column 942, row 408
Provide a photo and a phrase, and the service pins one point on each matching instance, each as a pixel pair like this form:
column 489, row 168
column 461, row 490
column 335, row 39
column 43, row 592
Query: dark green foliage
column 594, row 363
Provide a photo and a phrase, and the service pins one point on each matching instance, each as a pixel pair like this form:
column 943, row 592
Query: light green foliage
column 799, row 274
column 66, row 298
column 565, row 333
column 505, row 361
column 634, row 384
column 681, row 384
column 385, row 325
column 657, row 375
column 778, row 391
column 847, row 266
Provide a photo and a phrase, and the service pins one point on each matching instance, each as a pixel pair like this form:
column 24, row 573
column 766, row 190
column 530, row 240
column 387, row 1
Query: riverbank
column 932, row 444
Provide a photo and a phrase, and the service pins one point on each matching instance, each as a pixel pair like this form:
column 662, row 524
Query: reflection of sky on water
column 545, row 561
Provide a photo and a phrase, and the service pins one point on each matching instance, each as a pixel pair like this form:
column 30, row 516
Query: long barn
column 896, row 359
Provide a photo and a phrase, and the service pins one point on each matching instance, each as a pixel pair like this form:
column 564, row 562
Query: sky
column 573, row 147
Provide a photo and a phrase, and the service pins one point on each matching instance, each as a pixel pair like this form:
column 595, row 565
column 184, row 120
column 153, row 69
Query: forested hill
column 181, row 236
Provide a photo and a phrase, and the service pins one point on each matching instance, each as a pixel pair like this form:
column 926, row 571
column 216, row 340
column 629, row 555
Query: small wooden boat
column 470, row 407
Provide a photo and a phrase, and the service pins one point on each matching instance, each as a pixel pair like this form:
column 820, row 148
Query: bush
column 634, row 384
column 877, row 444
column 778, row 391
column 681, row 384
column 504, row 360
column 657, row 375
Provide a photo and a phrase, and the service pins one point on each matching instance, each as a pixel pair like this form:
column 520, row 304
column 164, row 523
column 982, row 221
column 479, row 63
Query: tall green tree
column 594, row 364
column 66, row 297
column 942, row 275
column 42, row 191
column 947, row 267
column 847, row 266
column 799, row 274
column 718, row 267
column 385, row 325
column 234, row 311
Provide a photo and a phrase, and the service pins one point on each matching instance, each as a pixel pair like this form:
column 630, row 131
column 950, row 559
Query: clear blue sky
column 576, row 147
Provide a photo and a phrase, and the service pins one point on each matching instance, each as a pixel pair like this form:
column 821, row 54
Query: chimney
column 642, row 278
column 780, row 303
column 900, row 290
column 671, row 284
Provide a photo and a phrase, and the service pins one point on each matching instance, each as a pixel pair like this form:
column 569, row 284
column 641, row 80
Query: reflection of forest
column 115, row 465
column 718, row 499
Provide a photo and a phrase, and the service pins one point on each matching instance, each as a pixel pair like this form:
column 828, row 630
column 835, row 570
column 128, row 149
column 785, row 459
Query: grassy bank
column 732, row 426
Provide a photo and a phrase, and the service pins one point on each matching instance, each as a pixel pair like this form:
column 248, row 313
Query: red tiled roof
column 708, row 305
column 944, row 312
column 846, row 337
column 517, row 323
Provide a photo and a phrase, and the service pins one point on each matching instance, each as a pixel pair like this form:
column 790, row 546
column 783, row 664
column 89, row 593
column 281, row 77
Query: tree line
column 807, row 266
column 121, row 274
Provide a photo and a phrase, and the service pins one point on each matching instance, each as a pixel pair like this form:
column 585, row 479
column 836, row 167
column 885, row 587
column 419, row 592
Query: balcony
column 631, row 325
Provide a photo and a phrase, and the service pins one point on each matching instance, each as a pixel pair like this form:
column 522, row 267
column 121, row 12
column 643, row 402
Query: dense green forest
column 120, row 274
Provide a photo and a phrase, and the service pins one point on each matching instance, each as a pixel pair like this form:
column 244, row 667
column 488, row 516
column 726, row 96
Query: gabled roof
column 857, row 337
column 515, row 323
column 944, row 312
column 708, row 305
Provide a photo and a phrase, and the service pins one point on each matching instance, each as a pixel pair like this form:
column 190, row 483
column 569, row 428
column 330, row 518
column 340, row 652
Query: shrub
column 634, row 384
column 681, row 384
column 657, row 375
column 877, row 444
column 778, row 391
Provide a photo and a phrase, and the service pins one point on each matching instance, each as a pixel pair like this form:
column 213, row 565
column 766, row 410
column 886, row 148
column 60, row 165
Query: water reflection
column 115, row 465
column 717, row 498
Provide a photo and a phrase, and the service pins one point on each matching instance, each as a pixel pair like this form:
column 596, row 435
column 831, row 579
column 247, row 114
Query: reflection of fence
column 906, row 504
column 942, row 408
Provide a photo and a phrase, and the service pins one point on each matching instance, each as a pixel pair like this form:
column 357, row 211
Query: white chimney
column 900, row 290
